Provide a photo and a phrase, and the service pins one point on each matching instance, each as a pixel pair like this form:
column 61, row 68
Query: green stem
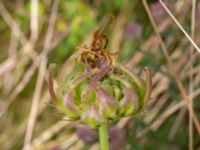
column 103, row 136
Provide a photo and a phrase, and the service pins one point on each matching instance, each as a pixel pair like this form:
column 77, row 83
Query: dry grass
column 26, row 60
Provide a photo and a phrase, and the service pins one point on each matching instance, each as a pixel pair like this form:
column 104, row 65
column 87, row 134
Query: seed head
column 94, row 89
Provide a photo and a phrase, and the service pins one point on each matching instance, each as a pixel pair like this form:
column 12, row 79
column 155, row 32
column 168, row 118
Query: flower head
column 94, row 89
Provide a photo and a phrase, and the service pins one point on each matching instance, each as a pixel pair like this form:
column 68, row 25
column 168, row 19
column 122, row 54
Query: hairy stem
column 103, row 137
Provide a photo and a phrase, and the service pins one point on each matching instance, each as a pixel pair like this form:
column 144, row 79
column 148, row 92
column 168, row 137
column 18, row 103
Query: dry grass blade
column 177, row 123
column 167, row 113
column 120, row 23
column 41, row 74
column 34, row 20
column 171, row 110
column 156, row 124
column 12, row 24
column 6, row 66
column 17, row 31
column 28, row 74
column 35, row 104
column 180, row 27
column 190, row 74
column 46, row 135
column 171, row 69
column 19, row 88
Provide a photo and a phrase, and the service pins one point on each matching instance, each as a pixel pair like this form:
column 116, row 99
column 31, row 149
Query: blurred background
column 35, row 33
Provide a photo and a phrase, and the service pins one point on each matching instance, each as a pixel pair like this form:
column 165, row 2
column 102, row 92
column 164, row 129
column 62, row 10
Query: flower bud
column 94, row 89
column 101, row 95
